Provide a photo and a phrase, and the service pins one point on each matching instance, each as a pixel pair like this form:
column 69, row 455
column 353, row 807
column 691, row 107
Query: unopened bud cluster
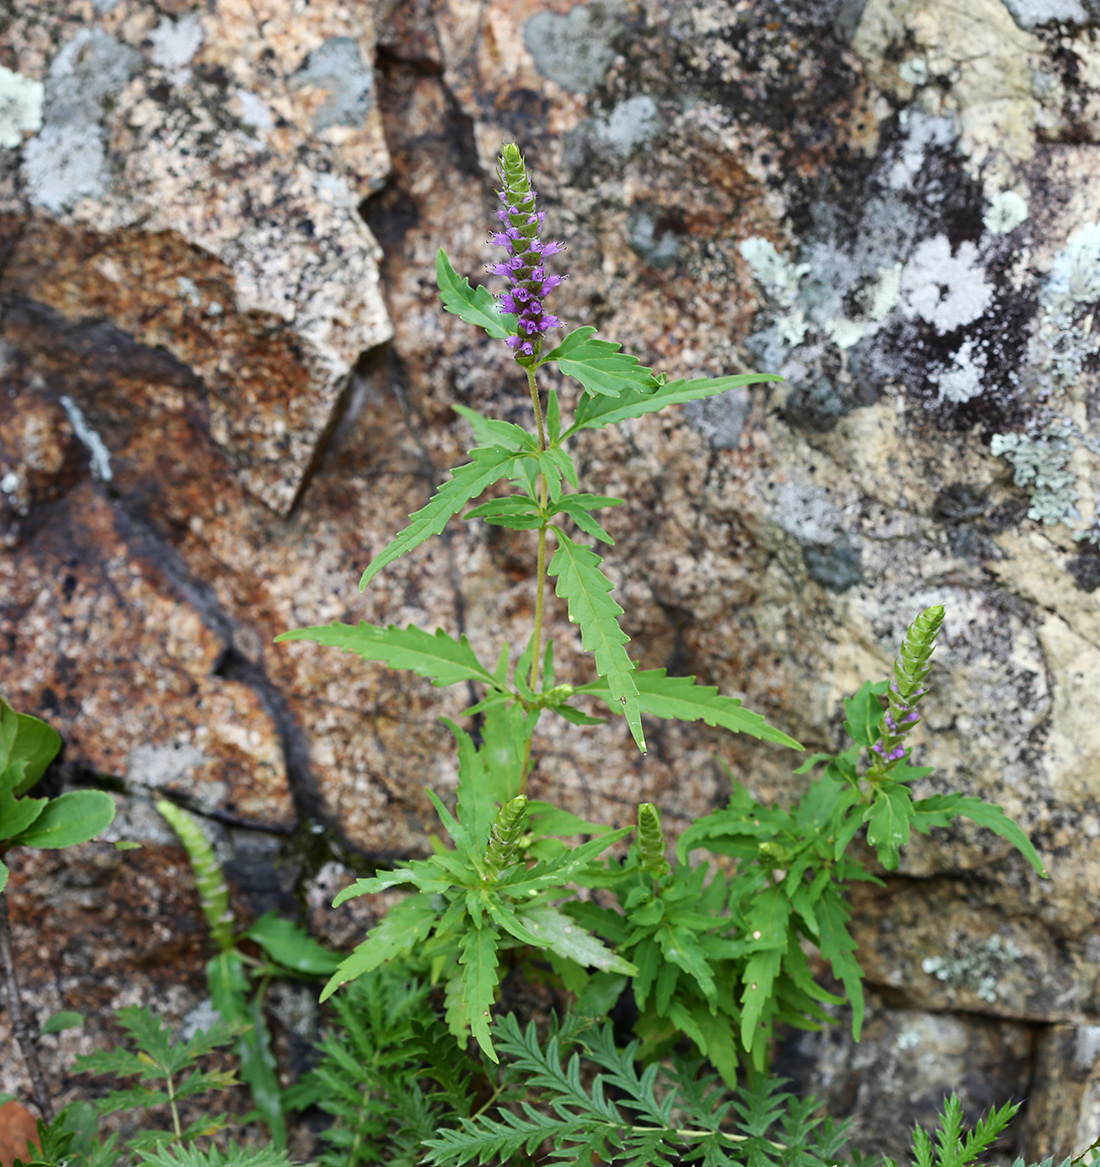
column 907, row 688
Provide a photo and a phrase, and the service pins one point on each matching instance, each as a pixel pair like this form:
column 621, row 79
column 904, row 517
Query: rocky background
column 227, row 380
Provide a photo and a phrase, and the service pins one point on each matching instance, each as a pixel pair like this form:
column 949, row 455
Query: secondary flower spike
column 525, row 265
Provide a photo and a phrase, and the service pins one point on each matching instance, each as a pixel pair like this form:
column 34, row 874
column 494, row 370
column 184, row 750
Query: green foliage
column 439, row 657
column 950, row 1148
column 681, row 699
column 375, row 1070
column 230, row 972
column 489, row 465
column 598, row 364
column 718, row 958
column 660, row 1117
column 472, row 902
column 586, row 588
column 474, row 305
column 600, row 412
column 165, row 1073
column 27, row 746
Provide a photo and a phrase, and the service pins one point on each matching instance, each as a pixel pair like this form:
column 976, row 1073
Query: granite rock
column 226, row 387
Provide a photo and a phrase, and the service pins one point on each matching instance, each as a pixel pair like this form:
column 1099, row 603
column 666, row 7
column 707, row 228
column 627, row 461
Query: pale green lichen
column 1040, row 466
column 975, row 966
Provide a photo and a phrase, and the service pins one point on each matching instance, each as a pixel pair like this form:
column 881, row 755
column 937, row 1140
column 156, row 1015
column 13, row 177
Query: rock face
column 227, row 381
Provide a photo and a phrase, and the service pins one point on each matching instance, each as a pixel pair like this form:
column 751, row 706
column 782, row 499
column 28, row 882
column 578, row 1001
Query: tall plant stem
column 540, row 573
column 18, row 1021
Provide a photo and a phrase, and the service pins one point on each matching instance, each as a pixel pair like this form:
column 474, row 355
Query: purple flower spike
column 524, row 267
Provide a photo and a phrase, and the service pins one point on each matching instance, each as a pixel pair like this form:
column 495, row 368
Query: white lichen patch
column 1076, row 271
column 963, row 380
column 629, row 124
column 1031, row 14
column 175, row 42
column 946, row 290
column 1007, row 210
column 780, row 278
column 20, row 107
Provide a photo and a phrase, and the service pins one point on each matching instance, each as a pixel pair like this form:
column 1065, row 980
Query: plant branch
column 18, row 1021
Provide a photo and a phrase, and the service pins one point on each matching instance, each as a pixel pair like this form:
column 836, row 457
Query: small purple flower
column 524, row 265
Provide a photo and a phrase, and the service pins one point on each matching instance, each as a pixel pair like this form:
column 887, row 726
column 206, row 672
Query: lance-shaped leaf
column 587, row 590
column 758, row 978
column 474, row 305
column 491, row 431
column 489, row 465
column 291, row 946
column 562, row 934
column 682, row 699
column 405, row 925
column 597, row 412
column 939, row 809
column 439, row 657
column 838, row 948
column 478, row 959
column 598, row 364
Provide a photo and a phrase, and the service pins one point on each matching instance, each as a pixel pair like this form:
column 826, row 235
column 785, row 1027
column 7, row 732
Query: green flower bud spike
column 912, row 666
column 651, row 840
column 504, row 836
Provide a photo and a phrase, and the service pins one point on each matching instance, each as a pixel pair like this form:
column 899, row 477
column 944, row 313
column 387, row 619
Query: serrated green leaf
column 985, row 814
column 505, row 731
column 598, row 364
column 596, row 413
column 768, row 918
column 587, row 590
column 546, row 819
column 474, row 305
column 474, row 804
column 564, row 936
column 492, row 431
column 439, row 657
column 478, row 958
column 71, row 818
column 680, row 946
column 887, row 820
column 27, row 746
column 759, row 976
column 404, row 925
column 838, row 947
column 291, row 946
column 3, row 876
column 864, row 710
column 681, row 699
column 489, row 465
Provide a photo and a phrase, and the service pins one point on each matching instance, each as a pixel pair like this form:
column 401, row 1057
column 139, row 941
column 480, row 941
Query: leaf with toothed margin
column 597, row 412
column 682, row 699
column 475, row 305
column 599, row 365
column 587, row 591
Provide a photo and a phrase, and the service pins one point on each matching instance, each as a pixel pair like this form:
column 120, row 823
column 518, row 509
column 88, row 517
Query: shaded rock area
column 226, row 380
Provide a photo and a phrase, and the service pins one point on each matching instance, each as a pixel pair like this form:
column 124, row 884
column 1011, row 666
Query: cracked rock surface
column 226, row 380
